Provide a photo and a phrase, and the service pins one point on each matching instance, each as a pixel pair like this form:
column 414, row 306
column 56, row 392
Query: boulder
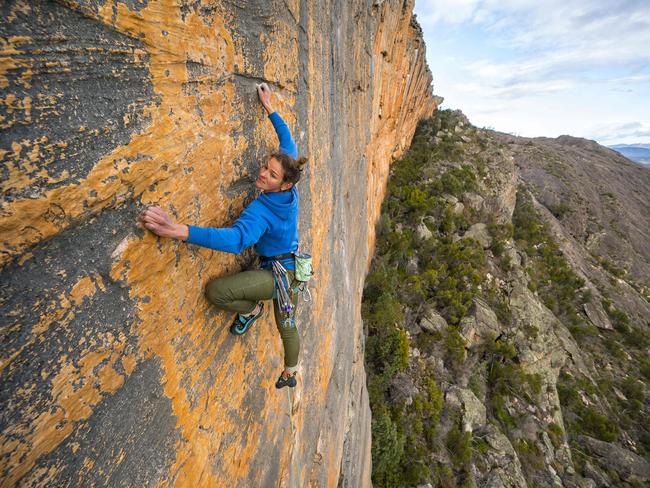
column 430, row 220
column 628, row 465
column 448, row 198
column 473, row 200
column 402, row 388
column 423, row 231
column 486, row 319
column 597, row 315
column 467, row 328
column 412, row 328
column 473, row 411
column 502, row 466
column 480, row 323
column 515, row 257
column 480, row 233
column 600, row 479
column 433, row 322
column 412, row 266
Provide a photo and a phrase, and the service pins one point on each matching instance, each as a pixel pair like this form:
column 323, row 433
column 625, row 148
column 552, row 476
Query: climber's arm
column 248, row 229
column 287, row 144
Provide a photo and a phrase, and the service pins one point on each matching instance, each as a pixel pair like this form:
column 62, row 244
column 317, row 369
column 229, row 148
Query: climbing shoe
column 243, row 322
column 290, row 381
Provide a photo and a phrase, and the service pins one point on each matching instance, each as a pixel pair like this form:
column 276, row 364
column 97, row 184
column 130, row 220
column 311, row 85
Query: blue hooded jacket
column 270, row 222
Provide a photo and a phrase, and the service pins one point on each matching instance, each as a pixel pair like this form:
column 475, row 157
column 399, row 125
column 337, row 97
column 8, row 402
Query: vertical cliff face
column 115, row 370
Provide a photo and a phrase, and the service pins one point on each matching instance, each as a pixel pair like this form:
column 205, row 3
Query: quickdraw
column 283, row 287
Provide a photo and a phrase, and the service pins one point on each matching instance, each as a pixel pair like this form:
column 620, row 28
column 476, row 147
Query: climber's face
column 270, row 177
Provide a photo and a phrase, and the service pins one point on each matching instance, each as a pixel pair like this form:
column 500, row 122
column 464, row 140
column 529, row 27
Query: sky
column 543, row 67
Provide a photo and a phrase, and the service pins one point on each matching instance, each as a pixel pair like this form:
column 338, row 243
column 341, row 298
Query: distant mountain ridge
column 639, row 153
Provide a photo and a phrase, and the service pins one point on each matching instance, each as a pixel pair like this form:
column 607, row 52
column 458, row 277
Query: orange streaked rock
column 128, row 323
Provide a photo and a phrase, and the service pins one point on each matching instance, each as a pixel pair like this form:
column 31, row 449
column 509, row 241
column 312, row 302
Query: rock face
column 628, row 465
column 115, row 370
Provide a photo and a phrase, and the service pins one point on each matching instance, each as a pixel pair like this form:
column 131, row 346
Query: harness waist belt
column 279, row 257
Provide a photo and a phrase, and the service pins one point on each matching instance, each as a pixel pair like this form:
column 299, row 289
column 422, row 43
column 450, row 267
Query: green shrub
column 454, row 349
column 387, row 353
column 458, row 270
column 611, row 267
column 506, row 378
column 459, row 445
column 443, row 477
column 597, row 425
column 556, row 434
column 456, row 181
column 480, row 445
column 559, row 210
column 497, row 248
column 587, row 420
column 644, row 368
column 620, row 319
column 530, row 455
column 550, row 274
column 387, row 450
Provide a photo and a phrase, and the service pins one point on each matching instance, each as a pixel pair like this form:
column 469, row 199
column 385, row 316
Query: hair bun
column 301, row 162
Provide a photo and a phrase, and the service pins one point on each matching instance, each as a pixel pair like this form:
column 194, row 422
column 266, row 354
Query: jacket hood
column 283, row 204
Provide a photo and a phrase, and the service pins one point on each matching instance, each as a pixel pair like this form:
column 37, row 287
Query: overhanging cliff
column 115, row 370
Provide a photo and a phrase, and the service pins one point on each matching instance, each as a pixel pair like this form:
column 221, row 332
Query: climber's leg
column 289, row 335
column 242, row 291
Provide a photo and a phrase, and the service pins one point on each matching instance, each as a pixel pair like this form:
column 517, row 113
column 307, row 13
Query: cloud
column 627, row 130
column 550, row 37
column 431, row 12
column 513, row 89
column 543, row 68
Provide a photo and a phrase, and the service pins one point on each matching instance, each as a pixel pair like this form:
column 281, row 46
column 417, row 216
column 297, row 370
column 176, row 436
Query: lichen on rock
column 115, row 368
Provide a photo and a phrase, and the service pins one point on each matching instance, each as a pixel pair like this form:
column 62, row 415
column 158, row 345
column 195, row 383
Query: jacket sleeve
column 287, row 144
column 248, row 229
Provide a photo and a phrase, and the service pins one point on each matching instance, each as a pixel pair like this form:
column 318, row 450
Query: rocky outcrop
column 503, row 469
column 628, row 465
column 115, row 370
column 536, row 341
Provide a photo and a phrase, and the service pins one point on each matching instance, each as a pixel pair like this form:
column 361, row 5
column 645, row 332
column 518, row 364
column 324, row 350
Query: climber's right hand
column 160, row 223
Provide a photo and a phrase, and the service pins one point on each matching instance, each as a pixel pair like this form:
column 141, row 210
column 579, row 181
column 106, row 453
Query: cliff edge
column 115, row 370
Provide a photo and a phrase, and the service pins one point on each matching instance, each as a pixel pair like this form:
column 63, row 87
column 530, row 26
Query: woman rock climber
column 270, row 223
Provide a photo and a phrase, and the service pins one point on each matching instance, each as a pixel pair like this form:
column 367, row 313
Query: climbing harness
column 283, row 290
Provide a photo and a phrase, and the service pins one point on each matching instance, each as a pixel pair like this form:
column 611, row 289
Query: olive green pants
column 241, row 292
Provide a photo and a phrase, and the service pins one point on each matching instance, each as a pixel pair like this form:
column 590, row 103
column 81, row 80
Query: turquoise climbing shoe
column 243, row 322
column 290, row 381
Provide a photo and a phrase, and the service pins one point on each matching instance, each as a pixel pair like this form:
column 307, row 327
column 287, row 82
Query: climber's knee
column 218, row 293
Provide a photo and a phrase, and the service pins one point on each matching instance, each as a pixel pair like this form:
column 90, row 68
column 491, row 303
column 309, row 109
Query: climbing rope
column 296, row 473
